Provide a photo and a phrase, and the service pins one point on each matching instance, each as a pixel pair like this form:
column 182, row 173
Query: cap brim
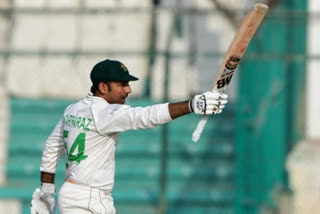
column 132, row 78
column 123, row 78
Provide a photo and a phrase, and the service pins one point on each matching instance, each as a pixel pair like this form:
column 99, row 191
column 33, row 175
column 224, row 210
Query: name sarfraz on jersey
column 77, row 122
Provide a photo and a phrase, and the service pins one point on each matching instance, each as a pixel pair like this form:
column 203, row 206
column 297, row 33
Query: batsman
column 87, row 134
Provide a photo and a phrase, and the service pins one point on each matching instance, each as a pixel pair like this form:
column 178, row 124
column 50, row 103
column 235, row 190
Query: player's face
column 118, row 92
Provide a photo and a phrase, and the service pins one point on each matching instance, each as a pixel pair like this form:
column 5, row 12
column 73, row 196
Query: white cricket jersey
column 88, row 133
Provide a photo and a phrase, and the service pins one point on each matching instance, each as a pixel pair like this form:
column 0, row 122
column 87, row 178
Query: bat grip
column 197, row 132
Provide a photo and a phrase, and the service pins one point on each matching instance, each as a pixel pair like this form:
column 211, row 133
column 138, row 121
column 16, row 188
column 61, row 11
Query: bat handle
column 197, row 132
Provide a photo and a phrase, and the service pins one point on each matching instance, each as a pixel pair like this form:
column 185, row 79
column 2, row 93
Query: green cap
column 110, row 70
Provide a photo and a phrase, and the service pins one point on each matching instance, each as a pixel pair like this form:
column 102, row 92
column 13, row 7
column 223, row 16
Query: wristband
column 190, row 106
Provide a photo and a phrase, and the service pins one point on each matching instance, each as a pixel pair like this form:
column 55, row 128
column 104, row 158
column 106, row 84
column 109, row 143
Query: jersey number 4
column 78, row 143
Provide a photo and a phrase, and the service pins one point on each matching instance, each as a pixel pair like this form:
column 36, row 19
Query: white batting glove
column 208, row 103
column 43, row 199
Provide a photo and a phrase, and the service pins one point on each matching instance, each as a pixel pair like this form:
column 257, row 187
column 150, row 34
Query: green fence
column 270, row 116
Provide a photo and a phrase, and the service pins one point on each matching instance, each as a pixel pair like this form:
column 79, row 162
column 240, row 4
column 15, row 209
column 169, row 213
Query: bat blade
column 239, row 45
column 234, row 54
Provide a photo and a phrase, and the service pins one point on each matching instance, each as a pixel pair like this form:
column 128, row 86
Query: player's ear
column 103, row 88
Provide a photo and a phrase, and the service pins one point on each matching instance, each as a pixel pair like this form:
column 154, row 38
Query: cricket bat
column 234, row 54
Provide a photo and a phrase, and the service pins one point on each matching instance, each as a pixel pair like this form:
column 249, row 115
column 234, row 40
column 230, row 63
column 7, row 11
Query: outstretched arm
column 179, row 109
column 120, row 118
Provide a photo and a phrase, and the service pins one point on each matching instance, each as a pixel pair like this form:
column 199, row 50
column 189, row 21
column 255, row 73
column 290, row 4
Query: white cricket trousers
column 80, row 199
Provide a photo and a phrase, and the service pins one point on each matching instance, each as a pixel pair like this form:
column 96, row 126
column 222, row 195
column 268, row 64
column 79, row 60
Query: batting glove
column 43, row 199
column 208, row 103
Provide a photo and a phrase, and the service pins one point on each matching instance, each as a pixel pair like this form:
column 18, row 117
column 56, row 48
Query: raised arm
column 179, row 109
column 120, row 118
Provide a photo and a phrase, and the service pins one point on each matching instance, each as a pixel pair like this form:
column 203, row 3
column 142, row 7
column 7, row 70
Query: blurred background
column 261, row 156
